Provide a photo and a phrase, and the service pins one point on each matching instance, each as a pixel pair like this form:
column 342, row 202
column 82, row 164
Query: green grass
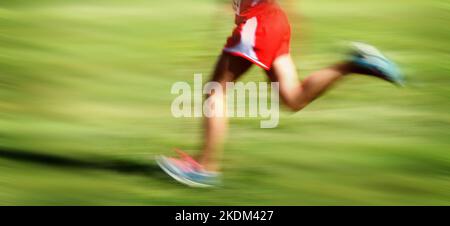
column 85, row 104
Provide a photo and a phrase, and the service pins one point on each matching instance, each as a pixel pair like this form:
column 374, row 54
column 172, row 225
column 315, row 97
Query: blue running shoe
column 369, row 59
column 187, row 171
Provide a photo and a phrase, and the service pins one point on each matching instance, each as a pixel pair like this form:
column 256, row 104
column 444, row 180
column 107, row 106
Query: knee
column 220, row 82
column 295, row 107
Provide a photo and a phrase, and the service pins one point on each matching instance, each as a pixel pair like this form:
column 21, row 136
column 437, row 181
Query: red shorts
column 261, row 36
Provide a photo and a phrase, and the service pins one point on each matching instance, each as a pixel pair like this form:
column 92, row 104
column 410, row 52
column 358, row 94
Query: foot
column 369, row 60
column 187, row 171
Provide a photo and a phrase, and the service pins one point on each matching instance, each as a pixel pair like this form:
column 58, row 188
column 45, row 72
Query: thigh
column 284, row 72
column 229, row 68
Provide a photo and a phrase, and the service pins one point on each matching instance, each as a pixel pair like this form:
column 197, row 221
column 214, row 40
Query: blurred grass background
column 85, row 105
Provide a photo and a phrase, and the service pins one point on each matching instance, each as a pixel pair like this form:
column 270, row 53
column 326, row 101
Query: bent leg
column 295, row 94
column 228, row 69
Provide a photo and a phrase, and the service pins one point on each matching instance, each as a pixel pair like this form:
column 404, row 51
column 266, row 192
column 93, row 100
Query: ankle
column 346, row 68
column 209, row 167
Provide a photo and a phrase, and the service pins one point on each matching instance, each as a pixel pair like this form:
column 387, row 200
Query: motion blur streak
column 85, row 105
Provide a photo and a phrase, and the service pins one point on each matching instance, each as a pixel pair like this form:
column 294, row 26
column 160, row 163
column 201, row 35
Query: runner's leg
column 295, row 94
column 228, row 69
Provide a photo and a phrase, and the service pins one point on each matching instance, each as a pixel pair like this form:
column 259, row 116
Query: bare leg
column 228, row 69
column 295, row 94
